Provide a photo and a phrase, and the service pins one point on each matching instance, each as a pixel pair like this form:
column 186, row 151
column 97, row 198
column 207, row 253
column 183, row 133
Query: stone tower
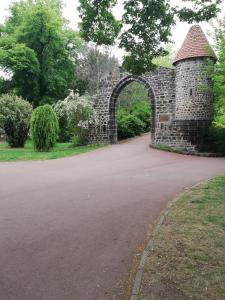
column 193, row 88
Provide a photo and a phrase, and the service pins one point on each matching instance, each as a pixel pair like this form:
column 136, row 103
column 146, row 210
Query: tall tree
column 202, row 10
column 98, row 23
column 147, row 26
column 166, row 60
column 219, row 75
column 37, row 51
column 93, row 65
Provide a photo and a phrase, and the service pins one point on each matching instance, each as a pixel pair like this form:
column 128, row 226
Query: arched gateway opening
column 113, row 128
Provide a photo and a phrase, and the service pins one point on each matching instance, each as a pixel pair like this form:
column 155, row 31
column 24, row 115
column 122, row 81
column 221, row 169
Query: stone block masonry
column 181, row 98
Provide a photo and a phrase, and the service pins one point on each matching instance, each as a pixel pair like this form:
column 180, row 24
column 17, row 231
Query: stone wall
column 161, row 86
column 194, row 101
column 193, row 90
column 181, row 101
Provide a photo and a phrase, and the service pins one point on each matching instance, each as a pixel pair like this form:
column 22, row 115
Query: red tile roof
column 195, row 45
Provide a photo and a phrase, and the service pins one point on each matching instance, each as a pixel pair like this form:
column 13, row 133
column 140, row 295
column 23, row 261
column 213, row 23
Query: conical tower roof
column 195, row 45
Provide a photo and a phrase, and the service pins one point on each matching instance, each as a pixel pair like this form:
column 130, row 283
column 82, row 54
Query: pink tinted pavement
column 69, row 227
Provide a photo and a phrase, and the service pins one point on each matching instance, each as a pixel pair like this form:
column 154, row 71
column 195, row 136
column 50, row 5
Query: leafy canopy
column 98, row 23
column 37, row 51
column 146, row 27
column 219, row 74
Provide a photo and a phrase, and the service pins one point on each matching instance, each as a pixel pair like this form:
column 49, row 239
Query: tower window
column 104, row 128
column 191, row 92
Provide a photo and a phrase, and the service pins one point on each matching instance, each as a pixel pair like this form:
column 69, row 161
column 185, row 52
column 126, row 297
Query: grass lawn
column 187, row 260
column 28, row 153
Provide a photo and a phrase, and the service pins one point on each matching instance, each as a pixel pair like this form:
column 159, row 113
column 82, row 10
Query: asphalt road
column 69, row 227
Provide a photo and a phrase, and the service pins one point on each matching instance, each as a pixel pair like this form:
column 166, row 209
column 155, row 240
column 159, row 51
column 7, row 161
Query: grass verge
column 28, row 153
column 187, row 260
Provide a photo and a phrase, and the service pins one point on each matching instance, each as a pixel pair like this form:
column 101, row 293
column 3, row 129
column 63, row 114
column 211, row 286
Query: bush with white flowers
column 76, row 113
column 15, row 114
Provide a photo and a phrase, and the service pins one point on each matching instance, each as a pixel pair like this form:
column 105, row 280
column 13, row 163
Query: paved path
column 69, row 227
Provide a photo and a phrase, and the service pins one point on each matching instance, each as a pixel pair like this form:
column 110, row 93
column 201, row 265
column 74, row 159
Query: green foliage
column 146, row 24
column 167, row 60
column 98, row 23
column 36, row 49
column 94, row 64
column 79, row 140
column 15, row 116
column 134, row 120
column 128, row 124
column 150, row 25
column 134, row 111
column 23, row 63
column 76, row 113
column 133, row 93
column 61, row 111
column 81, row 114
column 44, row 128
column 216, row 138
column 202, row 10
column 219, row 73
column 142, row 111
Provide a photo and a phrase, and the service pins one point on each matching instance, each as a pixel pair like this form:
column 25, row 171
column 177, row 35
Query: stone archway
column 161, row 86
column 113, row 101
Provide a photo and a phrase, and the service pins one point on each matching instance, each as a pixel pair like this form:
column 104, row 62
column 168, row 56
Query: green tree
column 37, row 51
column 147, row 26
column 133, row 111
column 165, row 61
column 202, row 10
column 98, row 23
column 219, row 74
column 93, row 65
column 44, row 128
column 133, row 93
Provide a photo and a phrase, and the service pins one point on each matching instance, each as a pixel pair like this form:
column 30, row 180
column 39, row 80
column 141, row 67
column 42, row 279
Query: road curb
column 150, row 245
column 184, row 152
column 138, row 277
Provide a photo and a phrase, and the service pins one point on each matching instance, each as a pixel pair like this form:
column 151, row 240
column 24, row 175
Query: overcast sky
column 71, row 13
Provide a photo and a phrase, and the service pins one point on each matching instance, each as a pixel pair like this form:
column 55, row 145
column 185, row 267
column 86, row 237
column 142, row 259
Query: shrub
column 128, row 124
column 134, row 120
column 77, row 113
column 220, row 120
column 79, row 140
column 15, row 115
column 44, row 128
column 215, row 140
column 65, row 133
column 142, row 111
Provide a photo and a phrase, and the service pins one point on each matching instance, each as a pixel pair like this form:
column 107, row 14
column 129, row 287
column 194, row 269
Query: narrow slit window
column 104, row 128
